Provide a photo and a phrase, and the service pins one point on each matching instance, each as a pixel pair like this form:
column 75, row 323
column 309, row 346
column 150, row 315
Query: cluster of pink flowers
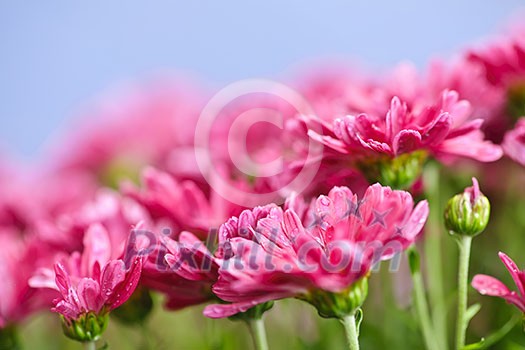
column 123, row 202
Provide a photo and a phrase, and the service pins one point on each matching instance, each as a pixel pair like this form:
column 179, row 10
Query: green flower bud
column 88, row 327
column 338, row 305
column 136, row 309
column 468, row 213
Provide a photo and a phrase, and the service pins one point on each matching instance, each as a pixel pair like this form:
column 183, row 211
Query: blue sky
column 56, row 56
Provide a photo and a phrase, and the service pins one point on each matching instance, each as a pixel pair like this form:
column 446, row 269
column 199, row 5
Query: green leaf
column 358, row 319
column 472, row 311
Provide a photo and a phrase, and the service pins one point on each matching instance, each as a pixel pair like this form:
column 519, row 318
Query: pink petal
column 335, row 144
column 227, row 310
column 112, row 275
column 488, row 285
column 466, row 128
column 471, row 145
column 62, row 279
column 66, row 309
column 438, row 131
column 89, row 294
column 406, row 141
column 514, row 272
column 124, row 290
column 43, row 278
column 514, row 142
column 97, row 247
column 395, row 118
column 417, row 220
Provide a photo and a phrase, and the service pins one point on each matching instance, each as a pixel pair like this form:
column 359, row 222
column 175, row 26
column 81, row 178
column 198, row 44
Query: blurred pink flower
column 468, row 79
column 503, row 60
column 443, row 130
column 90, row 281
column 181, row 205
column 183, row 270
column 488, row 285
column 272, row 254
column 514, row 142
column 19, row 258
column 148, row 123
column 65, row 229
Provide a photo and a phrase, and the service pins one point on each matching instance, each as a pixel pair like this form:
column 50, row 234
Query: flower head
column 269, row 253
column 163, row 195
column 19, row 257
column 468, row 213
column 442, row 130
column 439, row 129
column 488, row 285
column 90, row 285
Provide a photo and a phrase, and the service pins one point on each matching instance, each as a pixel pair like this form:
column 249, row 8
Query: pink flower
column 468, row 79
column 146, row 123
column 504, row 59
column 442, row 130
column 90, row 282
column 488, row 285
column 183, row 270
column 272, row 254
column 181, row 205
column 514, row 142
column 19, row 258
column 65, row 229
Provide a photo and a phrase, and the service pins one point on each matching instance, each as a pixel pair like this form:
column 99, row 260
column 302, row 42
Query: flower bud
column 468, row 213
column 338, row 305
column 87, row 327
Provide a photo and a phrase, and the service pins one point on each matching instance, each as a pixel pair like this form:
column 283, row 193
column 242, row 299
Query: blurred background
column 57, row 56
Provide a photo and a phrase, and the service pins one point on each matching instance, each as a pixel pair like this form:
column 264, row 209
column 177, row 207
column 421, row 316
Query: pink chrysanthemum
column 90, row 282
column 272, row 254
column 155, row 123
column 442, row 130
column 19, row 257
column 503, row 60
column 488, row 285
column 162, row 196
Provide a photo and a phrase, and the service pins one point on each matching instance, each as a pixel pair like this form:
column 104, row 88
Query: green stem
column 503, row 331
column 465, row 243
column 90, row 345
column 351, row 331
column 422, row 311
column 258, row 333
column 433, row 255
